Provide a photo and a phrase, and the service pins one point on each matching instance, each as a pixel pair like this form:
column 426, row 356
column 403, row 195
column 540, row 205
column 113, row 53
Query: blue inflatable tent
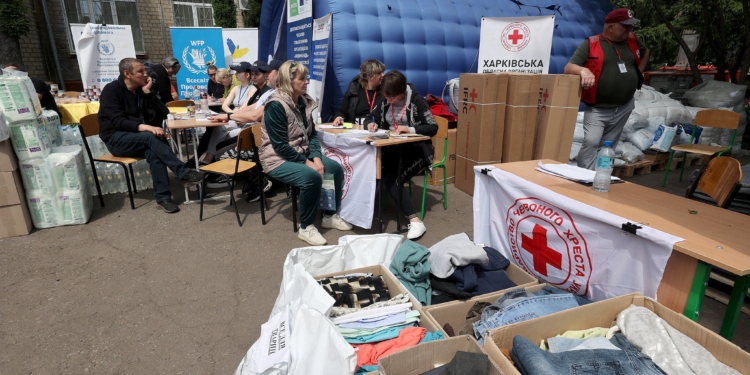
column 430, row 41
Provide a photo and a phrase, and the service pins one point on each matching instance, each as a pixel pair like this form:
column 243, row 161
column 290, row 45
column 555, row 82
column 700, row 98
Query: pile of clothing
column 515, row 306
column 463, row 363
column 372, row 321
column 639, row 342
column 461, row 269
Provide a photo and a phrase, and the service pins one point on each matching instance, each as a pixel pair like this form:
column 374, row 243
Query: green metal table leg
column 698, row 291
column 666, row 173
column 734, row 309
column 682, row 170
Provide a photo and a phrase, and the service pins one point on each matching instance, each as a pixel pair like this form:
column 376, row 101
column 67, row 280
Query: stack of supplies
column 461, row 270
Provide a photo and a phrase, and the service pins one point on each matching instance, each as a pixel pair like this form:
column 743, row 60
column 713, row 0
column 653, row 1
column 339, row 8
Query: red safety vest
column 596, row 60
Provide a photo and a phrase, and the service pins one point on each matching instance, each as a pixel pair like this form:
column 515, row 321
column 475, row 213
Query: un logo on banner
column 106, row 48
column 198, row 56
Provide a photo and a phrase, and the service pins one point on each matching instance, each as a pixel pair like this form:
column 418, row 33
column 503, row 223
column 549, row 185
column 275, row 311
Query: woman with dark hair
column 290, row 151
column 363, row 94
column 404, row 111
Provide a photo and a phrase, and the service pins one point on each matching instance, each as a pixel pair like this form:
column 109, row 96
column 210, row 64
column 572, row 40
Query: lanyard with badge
column 620, row 63
column 239, row 100
column 393, row 114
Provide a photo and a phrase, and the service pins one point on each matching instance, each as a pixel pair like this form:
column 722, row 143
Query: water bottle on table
column 604, row 162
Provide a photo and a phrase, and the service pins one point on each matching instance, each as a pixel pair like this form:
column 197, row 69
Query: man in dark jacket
column 130, row 118
column 161, row 76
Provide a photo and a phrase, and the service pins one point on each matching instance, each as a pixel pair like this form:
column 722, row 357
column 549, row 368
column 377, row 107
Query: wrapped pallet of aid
column 18, row 99
column 30, row 139
column 73, row 198
column 51, row 121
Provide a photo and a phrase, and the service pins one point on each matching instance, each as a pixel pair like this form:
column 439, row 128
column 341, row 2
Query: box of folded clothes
column 480, row 314
column 375, row 314
column 461, row 270
column 457, row 355
column 630, row 334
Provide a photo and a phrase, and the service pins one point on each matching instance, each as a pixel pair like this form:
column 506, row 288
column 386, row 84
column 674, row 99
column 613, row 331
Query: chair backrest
column 717, row 118
column 90, row 124
column 442, row 127
column 720, row 178
column 72, row 94
column 180, row 103
column 247, row 139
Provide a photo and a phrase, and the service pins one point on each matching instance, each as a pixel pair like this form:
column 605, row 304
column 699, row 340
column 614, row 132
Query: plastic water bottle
column 196, row 96
column 204, row 101
column 604, row 161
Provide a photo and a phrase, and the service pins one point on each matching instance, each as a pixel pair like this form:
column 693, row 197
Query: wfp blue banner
column 196, row 48
column 299, row 35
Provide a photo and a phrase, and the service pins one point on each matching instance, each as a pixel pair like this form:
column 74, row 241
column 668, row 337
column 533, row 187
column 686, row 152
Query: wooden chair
column 715, row 118
column 180, row 103
column 442, row 133
column 89, row 126
column 72, row 94
column 720, row 179
column 231, row 168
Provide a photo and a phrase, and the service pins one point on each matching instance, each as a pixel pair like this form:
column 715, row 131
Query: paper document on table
column 569, row 172
column 357, row 131
column 202, row 119
column 330, row 127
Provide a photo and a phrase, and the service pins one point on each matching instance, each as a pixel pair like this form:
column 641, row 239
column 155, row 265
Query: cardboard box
column 11, row 189
column 454, row 312
column 520, row 117
column 602, row 314
column 481, row 116
column 436, row 176
column 422, row 358
column 559, row 97
column 8, row 161
column 394, row 287
column 15, row 220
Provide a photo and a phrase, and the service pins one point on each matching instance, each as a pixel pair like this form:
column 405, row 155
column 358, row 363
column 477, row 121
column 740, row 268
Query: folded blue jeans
column 531, row 360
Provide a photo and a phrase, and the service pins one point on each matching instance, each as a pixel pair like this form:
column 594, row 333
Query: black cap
column 275, row 65
column 241, row 66
column 259, row 66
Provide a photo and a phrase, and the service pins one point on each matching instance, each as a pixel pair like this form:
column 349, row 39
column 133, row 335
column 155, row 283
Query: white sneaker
column 335, row 221
column 311, row 236
column 416, row 230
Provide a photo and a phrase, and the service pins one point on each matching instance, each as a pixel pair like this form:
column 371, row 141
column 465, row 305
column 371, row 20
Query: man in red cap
column 610, row 65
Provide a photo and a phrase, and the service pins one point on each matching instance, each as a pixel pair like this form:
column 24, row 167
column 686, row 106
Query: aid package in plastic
column 4, row 132
column 18, row 99
column 663, row 138
column 628, row 152
column 30, row 139
column 721, row 95
column 51, row 121
column 36, row 175
column 574, row 150
column 43, row 208
column 67, row 168
column 75, row 206
column 642, row 139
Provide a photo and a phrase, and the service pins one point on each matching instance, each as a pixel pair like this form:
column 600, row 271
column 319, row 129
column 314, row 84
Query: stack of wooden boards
column 509, row 117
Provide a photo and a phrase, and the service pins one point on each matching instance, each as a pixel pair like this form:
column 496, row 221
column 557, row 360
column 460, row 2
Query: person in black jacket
column 362, row 95
column 404, row 111
column 161, row 76
column 130, row 118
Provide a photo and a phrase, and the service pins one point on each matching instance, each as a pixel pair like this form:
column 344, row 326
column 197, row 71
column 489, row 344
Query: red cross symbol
column 515, row 37
column 473, row 95
column 545, row 96
column 543, row 254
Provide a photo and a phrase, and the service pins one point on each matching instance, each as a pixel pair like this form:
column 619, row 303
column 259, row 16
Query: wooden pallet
column 691, row 159
column 661, row 159
column 629, row 170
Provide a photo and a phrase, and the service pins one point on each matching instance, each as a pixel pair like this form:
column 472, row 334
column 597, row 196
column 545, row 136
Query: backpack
column 439, row 108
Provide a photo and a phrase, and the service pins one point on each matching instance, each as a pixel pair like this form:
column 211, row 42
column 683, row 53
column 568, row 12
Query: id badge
column 623, row 68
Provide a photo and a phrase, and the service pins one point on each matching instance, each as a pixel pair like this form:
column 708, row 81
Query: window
column 114, row 12
column 193, row 13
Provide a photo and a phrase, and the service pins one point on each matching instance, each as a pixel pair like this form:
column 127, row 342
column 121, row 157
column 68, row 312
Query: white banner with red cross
column 358, row 190
column 515, row 44
column 571, row 245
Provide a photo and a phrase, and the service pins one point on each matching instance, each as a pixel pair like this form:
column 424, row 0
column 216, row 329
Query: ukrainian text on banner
column 358, row 189
column 196, row 48
column 99, row 50
column 321, row 37
column 240, row 45
column 571, row 245
column 515, row 44
column 299, row 32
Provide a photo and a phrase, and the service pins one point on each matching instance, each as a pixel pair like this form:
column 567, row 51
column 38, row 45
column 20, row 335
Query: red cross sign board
column 516, row 44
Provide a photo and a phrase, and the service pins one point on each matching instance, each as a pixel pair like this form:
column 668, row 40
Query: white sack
column 718, row 94
column 649, row 93
column 642, row 139
column 43, row 209
column 574, row 150
column 620, row 163
column 36, row 175
column 579, row 118
column 579, row 133
column 18, row 99
column 671, row 110
column 628, row 152
column 29, row 139
column 663, row 138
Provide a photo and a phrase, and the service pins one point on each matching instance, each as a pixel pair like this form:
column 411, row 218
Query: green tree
column 14, row 23
column 225, row 13
column 251, row 17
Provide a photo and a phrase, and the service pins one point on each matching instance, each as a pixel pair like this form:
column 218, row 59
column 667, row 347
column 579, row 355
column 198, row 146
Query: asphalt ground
column 145, row 292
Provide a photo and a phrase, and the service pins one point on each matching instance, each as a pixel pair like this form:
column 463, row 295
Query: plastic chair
column 716, row 118
column 720, row 179
column 180, row 103
column 231, row 168
column 89, row 126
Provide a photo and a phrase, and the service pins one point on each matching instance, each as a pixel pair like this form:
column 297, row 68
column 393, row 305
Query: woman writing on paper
column 363, row 94
column 290, row 151
column 404, row 111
